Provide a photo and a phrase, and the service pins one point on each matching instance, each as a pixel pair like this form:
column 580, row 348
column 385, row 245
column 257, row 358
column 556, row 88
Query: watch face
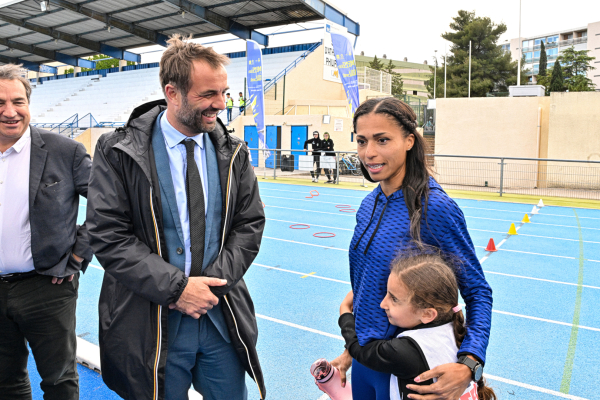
column 477, row 372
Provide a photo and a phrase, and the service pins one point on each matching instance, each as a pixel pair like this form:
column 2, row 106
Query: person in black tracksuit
column 327, row 145
column 316, row 145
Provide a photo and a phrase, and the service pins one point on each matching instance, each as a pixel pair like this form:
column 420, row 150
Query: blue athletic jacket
column 382, row 233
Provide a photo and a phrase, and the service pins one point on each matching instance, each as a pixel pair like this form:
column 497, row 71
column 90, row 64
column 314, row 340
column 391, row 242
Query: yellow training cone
column 526, row 219
column 512, row 230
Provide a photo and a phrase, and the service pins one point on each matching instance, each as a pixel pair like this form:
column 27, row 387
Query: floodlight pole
column 435, row 75
column 520, row 49
column 469, row 69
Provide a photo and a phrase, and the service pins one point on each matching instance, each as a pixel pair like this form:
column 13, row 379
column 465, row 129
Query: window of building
column 536, row 54
column 539, row 41
column 536, row 68
column 550, row 65
column 414, row 92
column 552, row 52
column 552, row 39
column 506, row 47
column 584, row 34
column 528, row 56
column 527, row 44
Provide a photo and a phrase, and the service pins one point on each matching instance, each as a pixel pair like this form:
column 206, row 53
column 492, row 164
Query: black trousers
column 317, row 170
column 36, row 311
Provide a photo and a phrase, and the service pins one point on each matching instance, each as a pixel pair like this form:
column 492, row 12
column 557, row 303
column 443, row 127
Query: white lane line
column 312, row 211
column 546, row 320
column 304, row 328
column 531, row 387
column 96, row 266
column 304, row 274
column 313, row 188
column 536, row 236
column 309, row 200
column 540, row 279
column 539, row 254
column 320, row 226
column 306, row 244
column 526, row 212
column 492, row 377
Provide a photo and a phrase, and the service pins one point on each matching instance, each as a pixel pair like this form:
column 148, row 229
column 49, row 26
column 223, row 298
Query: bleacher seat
column 113, row 98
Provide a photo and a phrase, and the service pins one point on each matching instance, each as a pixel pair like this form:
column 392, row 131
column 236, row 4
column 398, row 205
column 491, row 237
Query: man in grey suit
column 42, row 250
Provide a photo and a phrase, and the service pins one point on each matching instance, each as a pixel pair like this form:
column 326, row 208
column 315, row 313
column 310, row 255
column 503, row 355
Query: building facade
column 583, row 38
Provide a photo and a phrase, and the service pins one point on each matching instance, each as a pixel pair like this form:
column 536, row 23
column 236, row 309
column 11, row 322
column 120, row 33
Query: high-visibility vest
column 242, row 102
column 230, row 103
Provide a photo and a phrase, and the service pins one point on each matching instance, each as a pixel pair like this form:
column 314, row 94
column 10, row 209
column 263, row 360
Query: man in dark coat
column 316, row 144
column 176, row 220
column 42, row 250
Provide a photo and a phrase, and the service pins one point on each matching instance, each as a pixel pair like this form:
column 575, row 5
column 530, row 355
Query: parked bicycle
column 349, row 164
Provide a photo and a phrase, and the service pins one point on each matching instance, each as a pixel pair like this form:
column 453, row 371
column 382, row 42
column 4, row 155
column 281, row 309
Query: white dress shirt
column 178, row 163
column 15, row 231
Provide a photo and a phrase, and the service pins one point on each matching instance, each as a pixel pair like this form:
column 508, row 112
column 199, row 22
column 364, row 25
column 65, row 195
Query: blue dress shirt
column 178, row 164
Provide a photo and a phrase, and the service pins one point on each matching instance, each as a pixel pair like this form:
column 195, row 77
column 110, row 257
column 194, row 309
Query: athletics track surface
column 546, row 284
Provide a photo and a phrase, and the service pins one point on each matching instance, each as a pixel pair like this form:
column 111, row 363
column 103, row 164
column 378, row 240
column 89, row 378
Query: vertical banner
column 344, row 55
column 255, row 90
column 330, row 71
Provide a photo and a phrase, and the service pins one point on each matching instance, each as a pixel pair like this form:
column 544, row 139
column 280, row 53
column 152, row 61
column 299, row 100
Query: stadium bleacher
column 113, row 97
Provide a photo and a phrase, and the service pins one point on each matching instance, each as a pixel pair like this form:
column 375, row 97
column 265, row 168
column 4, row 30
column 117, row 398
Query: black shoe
column 329, row 181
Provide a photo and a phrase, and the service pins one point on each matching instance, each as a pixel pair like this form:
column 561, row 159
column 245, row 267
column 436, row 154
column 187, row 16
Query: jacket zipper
column 220, row 250
column 159, row 335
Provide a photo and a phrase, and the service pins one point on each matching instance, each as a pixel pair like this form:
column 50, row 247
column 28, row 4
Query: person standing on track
column 408, row 209
column 316, row 144
column 176, row 220
column 327, row 145
column 242, row 103
column 42, row 249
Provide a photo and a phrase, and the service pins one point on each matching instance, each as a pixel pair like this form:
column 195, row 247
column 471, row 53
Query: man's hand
column 343, row 364
column 347, row 304
column 197, row 298
column 57, row 281
column 453, row 380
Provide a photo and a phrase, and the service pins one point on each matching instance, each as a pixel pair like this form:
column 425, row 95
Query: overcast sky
column 413, row 29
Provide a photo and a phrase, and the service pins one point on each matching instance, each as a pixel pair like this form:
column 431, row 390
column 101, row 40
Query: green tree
column 543, row 60
column 105, row 63
column 492, row 68
column 557, row 82
column 576, row 66
column 397, row 83
column 376, row 64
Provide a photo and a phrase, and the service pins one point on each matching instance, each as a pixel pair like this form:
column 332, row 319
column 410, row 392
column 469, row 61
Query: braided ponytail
column 415, row 185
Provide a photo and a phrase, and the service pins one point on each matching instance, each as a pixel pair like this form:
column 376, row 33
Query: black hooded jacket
column 125, row 227
column 316, row 145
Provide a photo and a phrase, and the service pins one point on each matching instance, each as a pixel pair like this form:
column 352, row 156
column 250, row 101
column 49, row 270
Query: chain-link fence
column 529, row 176
column 329, row 167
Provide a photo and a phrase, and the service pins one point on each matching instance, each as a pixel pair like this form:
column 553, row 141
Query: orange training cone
column 512, row 230
column 526, row 219
column 491, row 246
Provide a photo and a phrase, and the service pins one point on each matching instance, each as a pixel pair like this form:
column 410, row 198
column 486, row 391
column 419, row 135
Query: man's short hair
column 176, row 63
column 11, row 72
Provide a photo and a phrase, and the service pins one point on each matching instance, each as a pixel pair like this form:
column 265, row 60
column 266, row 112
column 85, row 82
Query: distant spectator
column 327, row 145
column 229, row 107
column 316, row 145
column 242, row 103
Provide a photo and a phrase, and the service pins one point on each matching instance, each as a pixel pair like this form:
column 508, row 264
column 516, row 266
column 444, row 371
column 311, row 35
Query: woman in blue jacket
column 407, row 209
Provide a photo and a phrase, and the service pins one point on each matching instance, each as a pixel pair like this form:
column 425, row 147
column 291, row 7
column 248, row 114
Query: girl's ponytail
column 485, row 392
column 460, row 331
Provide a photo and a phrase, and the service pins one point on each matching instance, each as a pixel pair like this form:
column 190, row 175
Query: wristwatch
column 475, row 367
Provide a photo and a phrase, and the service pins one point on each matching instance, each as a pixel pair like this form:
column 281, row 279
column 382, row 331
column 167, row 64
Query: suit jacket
column 58, row 174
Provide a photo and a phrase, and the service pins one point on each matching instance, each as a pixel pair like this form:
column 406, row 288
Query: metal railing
column 528, row 176
column 110, row 124
column 578, row 179
column 343, row 166
column 68, row 125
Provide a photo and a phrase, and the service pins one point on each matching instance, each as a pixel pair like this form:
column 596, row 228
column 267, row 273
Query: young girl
column 422, row 298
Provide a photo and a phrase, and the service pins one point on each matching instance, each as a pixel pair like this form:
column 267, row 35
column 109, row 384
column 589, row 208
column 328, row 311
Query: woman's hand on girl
column 343, row 364
column 347, row 303
column 453, row 380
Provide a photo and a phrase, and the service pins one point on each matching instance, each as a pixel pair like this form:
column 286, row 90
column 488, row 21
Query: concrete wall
column 508, row 127
column 575, row 126
column 90, row 137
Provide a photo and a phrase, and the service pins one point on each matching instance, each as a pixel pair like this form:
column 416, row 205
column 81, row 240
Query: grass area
column 458, row 194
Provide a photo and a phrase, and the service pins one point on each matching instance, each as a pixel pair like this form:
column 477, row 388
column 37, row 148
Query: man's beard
column 192, row 118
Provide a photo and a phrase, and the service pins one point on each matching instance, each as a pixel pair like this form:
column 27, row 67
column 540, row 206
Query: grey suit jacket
column 58, row 174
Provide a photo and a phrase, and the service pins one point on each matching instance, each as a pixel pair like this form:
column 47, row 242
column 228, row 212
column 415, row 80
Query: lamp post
column 445, row 64
column 520, row 49
column 469, row 69
column 435, row 74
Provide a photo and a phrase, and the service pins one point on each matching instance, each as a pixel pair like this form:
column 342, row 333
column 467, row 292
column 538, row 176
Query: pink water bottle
column 327, row 378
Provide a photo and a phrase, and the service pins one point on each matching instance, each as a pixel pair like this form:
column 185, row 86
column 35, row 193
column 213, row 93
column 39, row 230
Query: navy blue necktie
column 195, row 201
